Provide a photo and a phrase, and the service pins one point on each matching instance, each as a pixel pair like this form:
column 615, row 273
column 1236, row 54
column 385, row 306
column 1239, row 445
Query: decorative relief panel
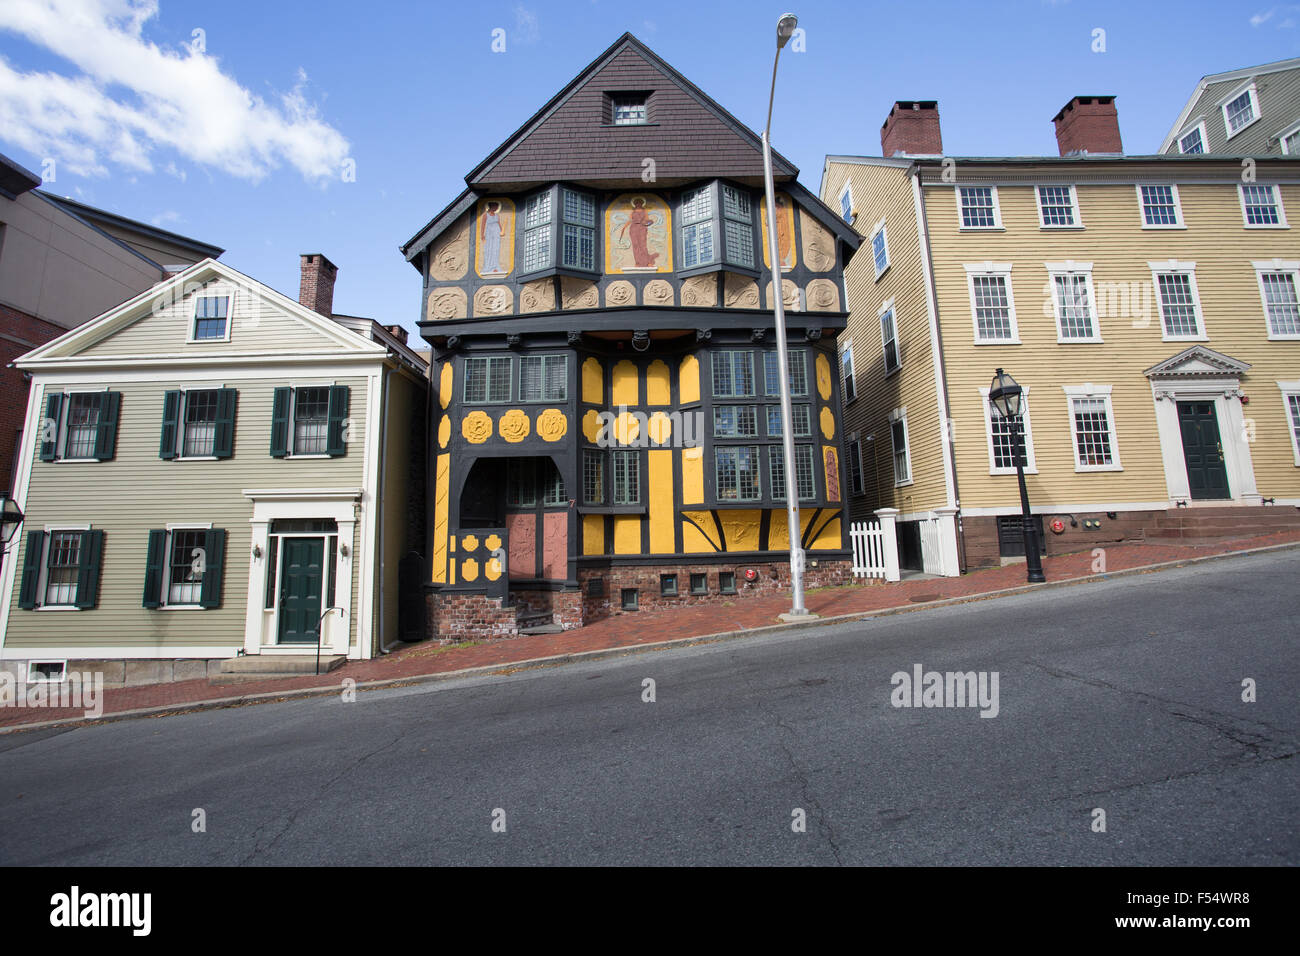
column 657, row 292
column 620, row 293
column 578, row 293
column 740, row 292
column 447, row 302
column 494, row 300
column 790, row 296
column 823, row 295
column 515, row 425
column 552, row 425
column 818, row 244
column 784, row 231
column 701, row 291
column 537, row 296
column 449, row 256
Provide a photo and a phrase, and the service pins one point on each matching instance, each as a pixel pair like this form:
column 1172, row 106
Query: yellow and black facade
column 606, row 429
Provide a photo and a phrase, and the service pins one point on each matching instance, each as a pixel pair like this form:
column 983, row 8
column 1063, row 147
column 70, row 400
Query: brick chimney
column 1088, row 124
column 912, row 128
column 316, row 288
column 397, row 332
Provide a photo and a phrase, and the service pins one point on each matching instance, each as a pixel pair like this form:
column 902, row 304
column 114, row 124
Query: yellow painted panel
column 694, row 541
column 444, row 431
column 441, row 495
column 591, row 425
column 444, row 384
column 515, row 425
column 624, row 386
column 593, row 534
column 593, row 381
column 741, row 529
column 829, row 538
column 662, row 514
column 823, row 377
column 688, row 380
column 777, row 537
column 827, row 423
column 469, row 568
column 660, row 427
column 627, row 534
column 658, row 385
column 692, row 476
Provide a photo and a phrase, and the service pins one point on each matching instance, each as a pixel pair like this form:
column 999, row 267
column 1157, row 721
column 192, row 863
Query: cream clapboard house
column 1148, row 305
column 207, row 469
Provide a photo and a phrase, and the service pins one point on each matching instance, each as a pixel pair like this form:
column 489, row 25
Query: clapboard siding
column 1113, row 240
column 1279, row 110
column 257, row 325
column 137, row 491
column 885, row 192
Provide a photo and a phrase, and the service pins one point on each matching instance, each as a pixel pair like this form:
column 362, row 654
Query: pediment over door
column 1198, row 362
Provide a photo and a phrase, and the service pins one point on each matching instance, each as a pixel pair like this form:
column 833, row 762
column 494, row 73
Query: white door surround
column 261, row 629
column 1202, row 374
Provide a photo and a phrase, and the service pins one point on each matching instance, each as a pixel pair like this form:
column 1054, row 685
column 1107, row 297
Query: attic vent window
column 630, row 109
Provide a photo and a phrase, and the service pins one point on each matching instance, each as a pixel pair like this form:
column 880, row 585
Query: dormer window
column 629, row 109
column 210, row 315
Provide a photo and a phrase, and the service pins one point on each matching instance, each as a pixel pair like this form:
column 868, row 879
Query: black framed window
column 627, row 477
column 733, row 374
column 487, row 380
column 797, row 365
column 736, row 473
column 539, row 251
column 803, row 464
column 544, row 378
column 593, row 477
column 578, row 239
column 716, row 225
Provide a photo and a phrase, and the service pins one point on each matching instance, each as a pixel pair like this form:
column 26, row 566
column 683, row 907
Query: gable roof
column 102, row 217
column 1197, row 360
column 65, row 349
column 570, row 138
column 1212, row 78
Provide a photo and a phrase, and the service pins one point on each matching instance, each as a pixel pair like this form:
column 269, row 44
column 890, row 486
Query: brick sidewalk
column 644, row 628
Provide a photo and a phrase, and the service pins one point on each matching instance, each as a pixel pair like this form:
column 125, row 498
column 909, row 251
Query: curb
column 609, row 652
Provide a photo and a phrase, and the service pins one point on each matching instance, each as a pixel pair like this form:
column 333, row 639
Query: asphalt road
column 1123, row 696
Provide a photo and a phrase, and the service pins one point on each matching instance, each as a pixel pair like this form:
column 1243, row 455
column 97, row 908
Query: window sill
column 905, row 484
column 199, row 458
column 1184, row 338
column 309, row 457
column 981, row 229
column 882, row 272
column 625, row 125
column 72, row 461
column 1240, row 129
column 180, row 607
column 893, row 371
column 1161, row 227
column 1085, row 469
column 1011, row 471
column 1095, row 340
column 1295, row 337
column 1043, row 228
column 548, row 272
column 710, row 267
column 1267, row 225
column 1015, row 341
column 59, row 607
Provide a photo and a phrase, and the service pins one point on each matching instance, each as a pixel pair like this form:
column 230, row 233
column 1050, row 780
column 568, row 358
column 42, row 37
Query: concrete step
column 280, row 665
column 541, row 629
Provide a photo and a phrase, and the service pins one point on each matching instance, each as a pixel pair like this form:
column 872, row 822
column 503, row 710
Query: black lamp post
column 1005, row 399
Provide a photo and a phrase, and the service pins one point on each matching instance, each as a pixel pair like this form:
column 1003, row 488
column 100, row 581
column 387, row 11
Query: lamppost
column 11, row 516
column 784, row 30
column 1005, row 398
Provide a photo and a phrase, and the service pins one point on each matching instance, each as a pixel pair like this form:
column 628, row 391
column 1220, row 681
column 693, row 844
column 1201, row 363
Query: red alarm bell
column 1057, row 526
column 751, row 574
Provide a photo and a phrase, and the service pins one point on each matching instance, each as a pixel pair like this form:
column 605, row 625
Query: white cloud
column 165, row 218
column 1260, row 19
column 1288, row 11
column 527, row 29
column 130, row 99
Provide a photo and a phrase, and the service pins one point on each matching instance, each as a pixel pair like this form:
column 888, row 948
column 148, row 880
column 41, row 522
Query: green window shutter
column 280, row 422
column 339, row 400
column 110, row 406
column 170, row 422
column 153, row 568
column 214, row 560
column 224, row 445
column 31, row 569
column 50, row 426
column 92, row 549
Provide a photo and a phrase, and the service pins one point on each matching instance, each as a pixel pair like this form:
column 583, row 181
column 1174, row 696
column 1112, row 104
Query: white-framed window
column 61, row 560
column 977, row 207
column 1289, row 140
column 544, row 378
column 79, row 426
column 1291, row 409
column 309, row 426
column 61, row 568
column 487, row 379
column 1073, row 301
column 992, row 303
column 889, row 338
column 880, row 248
column 538, row 251
column 211, row 319
column 899, row 447
column 1092, row 426
column 1058, row 207
column 629, row 109
column 197, row 435
column 856, row 483
column 846, row 203
column 1240, row 110
column 848, row 383
column 184, row 564
column 1179, row 301
column 1160, row 206
column 1194, row 140
column 1279, row 283
column 1261, row 206
column 1000, row 433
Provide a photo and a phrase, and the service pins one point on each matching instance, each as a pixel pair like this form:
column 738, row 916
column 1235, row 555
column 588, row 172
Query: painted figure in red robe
column 639, row 222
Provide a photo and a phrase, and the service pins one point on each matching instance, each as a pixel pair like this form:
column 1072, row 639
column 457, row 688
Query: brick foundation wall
column 21, row 334
column 560, row 607
column 455, row 616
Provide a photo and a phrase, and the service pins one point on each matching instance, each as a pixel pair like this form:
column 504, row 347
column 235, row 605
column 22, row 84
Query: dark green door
column 1207, row 476
column 301, row 579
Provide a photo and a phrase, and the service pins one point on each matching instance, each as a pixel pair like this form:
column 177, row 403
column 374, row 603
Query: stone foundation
column 557, row 607
column 123, row 673
column 457, row 616
column 1172, row 525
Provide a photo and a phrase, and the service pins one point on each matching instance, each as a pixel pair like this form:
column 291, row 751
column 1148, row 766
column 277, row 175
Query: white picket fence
column 875, row 554
column 931, row 554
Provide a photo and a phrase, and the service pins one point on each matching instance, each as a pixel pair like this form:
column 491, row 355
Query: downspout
column 382, row 471
column 936, row 353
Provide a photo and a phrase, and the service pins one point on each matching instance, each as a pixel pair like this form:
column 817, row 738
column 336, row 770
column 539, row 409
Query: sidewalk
column 433, row 661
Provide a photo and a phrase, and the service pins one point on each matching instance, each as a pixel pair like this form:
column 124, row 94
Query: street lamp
column 1005, row 398
column 11, row 516
column 784, row 30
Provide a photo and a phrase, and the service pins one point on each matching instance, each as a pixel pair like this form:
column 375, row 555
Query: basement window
column 596, row 587
column 47, row 672
column 668, row 585
column 699, row 583
column 631, row 599
column 727, row 582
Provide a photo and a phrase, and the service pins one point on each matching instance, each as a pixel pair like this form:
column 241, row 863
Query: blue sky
column 244, row 145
